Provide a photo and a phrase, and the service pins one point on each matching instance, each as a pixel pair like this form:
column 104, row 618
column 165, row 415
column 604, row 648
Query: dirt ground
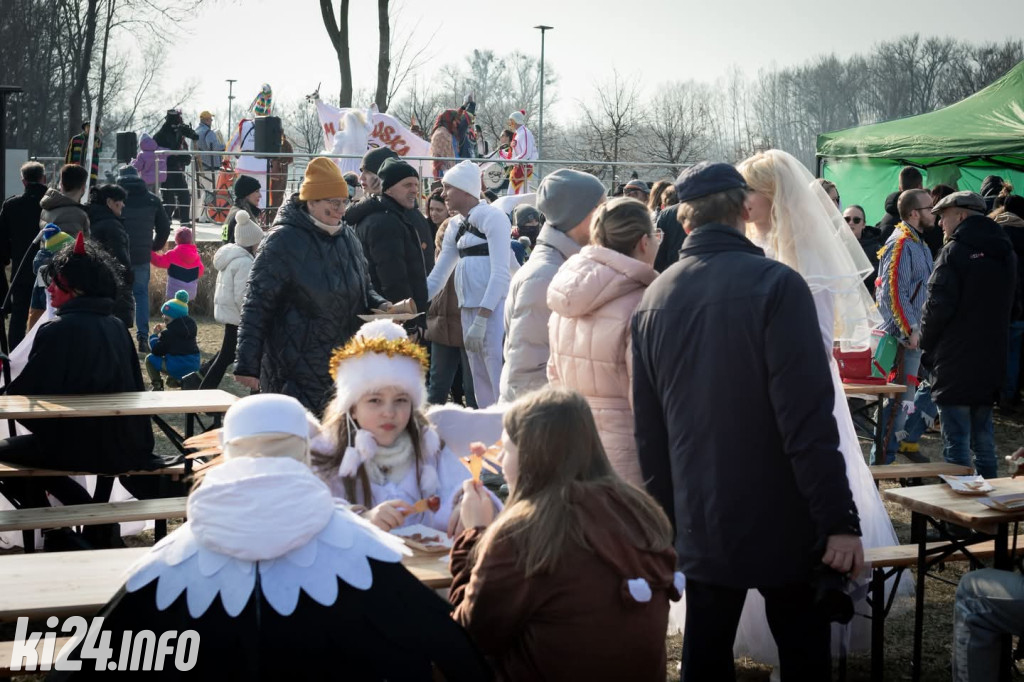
column 1009, row 433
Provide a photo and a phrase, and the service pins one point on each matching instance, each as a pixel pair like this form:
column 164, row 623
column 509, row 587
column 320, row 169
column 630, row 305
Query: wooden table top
column 884, row 472
column 940, row 502
column 873, row 389
column 80, row 583
column 114, row 404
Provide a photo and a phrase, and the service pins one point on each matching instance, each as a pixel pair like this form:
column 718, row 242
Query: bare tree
column 407, row 53
column 85, row 63
column 610, row 123
column 383, row 56
column 338, row 33
column 678, row 126
column 302, row 124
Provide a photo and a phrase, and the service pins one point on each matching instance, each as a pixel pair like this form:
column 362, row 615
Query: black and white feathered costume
column 279, row 582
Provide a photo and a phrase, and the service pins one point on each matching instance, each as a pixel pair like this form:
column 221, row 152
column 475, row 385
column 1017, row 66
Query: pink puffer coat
column 592, row 299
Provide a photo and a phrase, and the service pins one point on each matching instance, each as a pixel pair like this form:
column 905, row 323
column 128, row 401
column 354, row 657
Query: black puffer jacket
column 145, row 220
column 304, row 292
column 86, row 351
column 966, row 318
column 1013, row 225
column 392, row 247
column 109, row 232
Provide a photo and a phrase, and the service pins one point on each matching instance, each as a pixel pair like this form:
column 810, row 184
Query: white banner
column 354, row 131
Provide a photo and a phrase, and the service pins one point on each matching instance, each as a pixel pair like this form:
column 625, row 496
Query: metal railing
column 205, row 199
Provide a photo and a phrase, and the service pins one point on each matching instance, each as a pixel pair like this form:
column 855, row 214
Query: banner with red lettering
column 353, row 131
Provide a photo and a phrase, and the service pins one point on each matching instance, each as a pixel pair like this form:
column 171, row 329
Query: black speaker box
column 127, row 146
column 268, row 134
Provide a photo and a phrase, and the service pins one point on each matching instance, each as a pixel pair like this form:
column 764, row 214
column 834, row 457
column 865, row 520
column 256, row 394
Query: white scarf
column 329, row 229
column 390, row 463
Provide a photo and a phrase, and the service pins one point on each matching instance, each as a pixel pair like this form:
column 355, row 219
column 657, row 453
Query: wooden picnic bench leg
column 877, row 624
column 1002, row 560
column 917, row 530
column 160, row 529
column 28, row 541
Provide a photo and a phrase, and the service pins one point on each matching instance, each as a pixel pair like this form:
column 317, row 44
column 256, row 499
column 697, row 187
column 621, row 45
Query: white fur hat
column 378, row 356
column 464, row 175
column 519, row 117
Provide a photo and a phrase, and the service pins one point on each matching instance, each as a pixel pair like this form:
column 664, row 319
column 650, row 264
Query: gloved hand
column 475, row 334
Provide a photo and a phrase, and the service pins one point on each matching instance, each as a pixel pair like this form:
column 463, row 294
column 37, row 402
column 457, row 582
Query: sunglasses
column 853, row 220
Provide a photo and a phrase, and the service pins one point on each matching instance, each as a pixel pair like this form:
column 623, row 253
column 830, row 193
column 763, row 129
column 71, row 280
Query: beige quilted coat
column 592, row 299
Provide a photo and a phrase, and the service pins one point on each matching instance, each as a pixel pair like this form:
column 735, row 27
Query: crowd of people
column 662, row 363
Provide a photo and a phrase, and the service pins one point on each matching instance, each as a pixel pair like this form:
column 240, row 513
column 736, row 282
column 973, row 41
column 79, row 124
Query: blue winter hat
column 177, row 306
column 707, row 178
column 54, row 239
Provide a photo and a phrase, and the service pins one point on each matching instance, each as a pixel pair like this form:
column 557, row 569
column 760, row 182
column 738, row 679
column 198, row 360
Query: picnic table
column 79, row 583
column 937, row 505
column 879, row 391
column 150, row 403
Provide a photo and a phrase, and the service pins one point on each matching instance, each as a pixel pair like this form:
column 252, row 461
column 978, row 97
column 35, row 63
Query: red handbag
column 855, row 366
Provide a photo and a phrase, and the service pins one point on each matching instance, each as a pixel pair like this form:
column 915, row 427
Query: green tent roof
column 988, row 123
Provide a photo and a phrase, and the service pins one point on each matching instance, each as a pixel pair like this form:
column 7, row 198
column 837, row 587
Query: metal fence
column 198, row 194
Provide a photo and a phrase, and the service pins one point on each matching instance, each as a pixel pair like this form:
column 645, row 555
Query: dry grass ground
column 899, row 627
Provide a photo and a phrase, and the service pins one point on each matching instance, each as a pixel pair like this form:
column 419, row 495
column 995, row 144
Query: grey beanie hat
column 566, row 197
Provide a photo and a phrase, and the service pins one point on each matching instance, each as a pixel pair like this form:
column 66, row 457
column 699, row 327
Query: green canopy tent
column 959, row 145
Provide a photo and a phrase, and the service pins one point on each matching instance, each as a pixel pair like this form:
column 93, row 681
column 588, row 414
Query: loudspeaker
column 268, row 134
column 127, row 146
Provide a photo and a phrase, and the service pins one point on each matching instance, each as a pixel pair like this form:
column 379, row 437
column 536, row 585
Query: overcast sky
column 284, row 43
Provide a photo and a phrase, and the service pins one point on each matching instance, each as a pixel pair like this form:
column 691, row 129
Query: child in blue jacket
column 175, row 350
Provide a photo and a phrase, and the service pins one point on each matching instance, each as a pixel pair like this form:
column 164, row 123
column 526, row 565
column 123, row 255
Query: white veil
column 809, row 235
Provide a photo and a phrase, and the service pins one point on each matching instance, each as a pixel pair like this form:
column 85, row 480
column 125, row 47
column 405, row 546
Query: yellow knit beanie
column 323, row 180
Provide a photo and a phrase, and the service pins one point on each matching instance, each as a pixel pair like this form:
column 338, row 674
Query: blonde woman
column 593, row 296
column 579, row 562
column 796, row 222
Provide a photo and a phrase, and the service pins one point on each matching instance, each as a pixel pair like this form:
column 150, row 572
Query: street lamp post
column 231, row 97
column 540, row 127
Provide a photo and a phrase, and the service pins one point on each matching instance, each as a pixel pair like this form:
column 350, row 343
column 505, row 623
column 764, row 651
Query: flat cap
column 707, row 178
column 969, row 200
column 638, row 184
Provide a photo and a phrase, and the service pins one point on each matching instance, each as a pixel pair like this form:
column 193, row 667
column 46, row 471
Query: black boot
column 64, row 540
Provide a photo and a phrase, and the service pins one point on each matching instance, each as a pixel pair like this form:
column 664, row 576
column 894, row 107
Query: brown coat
column 579, row 622
column 444, row 319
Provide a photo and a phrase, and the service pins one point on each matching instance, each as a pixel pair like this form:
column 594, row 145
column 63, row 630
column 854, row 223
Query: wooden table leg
column 917, row 529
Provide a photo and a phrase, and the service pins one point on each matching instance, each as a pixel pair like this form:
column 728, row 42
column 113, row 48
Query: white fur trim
column 639, row 589
column 431, row 442
column 383, row 329
column 909, row 407
column 373, row 371
column 356, row 455
column 430, row 483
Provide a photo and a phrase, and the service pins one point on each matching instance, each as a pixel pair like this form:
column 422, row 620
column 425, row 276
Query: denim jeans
column 444, row 363
column 989, row 605
column 1012, row 384
column 967, row 429
column 911, row 424
column 140, row 291
column 925, row 414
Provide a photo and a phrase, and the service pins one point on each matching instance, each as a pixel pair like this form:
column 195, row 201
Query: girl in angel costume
column 376, row 448
column 352, row 138
column 269, row 575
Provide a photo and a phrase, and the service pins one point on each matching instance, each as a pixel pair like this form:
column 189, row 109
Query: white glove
column 475, row 335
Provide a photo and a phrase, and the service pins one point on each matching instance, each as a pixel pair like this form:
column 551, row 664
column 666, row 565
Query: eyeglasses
column 924, row 208
column 336, row 204
column 853, row 220
column 658, row 235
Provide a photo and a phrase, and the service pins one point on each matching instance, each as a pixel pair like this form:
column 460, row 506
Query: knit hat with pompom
column 177, row 306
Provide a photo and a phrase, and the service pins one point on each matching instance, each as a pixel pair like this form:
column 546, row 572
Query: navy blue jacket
column 733, row 402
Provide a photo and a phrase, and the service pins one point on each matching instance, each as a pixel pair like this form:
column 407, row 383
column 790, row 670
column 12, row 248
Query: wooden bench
column 889, row 562
column 158, row 510
column 7, row 651
column 175, row 471
column 913, row 473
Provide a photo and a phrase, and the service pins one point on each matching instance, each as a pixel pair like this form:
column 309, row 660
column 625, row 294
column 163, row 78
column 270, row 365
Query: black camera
column 832, row 594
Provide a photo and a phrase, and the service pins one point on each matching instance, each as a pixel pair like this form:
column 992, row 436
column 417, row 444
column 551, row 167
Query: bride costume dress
column 809, row 234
